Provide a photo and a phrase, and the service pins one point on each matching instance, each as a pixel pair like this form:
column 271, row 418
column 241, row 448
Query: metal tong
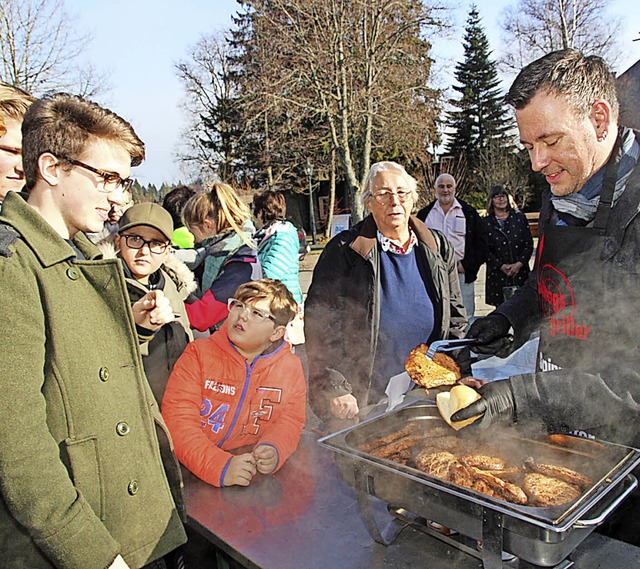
column 448, row 346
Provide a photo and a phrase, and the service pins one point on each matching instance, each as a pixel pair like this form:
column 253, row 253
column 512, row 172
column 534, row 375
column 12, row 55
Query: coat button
column 133, row 487
column 122, row 428
column 73, row 273
column 104, row 374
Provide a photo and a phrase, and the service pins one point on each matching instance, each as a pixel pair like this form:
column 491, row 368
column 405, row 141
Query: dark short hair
column 175, row 201
column 271, row 204
column 64, row 125
column 583, row 80
column 494, row 191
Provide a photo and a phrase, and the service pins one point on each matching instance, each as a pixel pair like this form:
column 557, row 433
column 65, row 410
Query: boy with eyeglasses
column 235, row 402
column 143, row 244
column 87, row 476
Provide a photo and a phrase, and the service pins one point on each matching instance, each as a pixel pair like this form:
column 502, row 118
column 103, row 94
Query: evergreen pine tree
column 480, row 119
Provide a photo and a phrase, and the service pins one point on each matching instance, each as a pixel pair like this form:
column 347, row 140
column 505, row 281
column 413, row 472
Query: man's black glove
column 496, row 402
column 464, row 359
column 492, row 333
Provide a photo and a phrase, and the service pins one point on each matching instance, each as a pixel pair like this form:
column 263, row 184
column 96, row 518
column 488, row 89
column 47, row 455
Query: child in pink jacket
column 235, row 402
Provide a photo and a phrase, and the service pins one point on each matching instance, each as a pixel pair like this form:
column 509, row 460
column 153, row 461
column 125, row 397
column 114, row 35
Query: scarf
column 583, row 205
column 219, row 249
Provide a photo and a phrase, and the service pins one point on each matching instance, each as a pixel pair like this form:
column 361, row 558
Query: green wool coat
column 83, row 447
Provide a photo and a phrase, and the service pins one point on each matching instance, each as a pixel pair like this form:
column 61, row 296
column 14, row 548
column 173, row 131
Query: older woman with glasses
column 378, row 290
column 510, row 247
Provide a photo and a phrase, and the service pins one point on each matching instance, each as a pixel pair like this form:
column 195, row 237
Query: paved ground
column 309, row 262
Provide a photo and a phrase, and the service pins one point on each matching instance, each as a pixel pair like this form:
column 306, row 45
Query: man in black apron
column 584, row 294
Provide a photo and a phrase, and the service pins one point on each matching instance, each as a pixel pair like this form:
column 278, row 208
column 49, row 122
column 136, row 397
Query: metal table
column 305, row 517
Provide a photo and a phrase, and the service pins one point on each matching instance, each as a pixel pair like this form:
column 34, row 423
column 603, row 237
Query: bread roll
column 459, row 397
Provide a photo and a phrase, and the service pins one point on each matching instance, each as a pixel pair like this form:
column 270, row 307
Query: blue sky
column 136, row 43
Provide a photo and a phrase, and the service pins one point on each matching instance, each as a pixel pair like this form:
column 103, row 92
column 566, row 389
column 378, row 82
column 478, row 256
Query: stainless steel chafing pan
column 542, row 536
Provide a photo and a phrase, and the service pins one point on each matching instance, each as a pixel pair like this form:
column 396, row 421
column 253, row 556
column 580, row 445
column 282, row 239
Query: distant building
column 628, row 84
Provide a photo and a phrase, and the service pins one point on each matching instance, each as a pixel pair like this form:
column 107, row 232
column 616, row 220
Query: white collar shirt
column 395, row 246
column 452, row 223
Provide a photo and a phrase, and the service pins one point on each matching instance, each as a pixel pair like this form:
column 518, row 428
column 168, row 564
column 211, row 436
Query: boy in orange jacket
column 240, row 389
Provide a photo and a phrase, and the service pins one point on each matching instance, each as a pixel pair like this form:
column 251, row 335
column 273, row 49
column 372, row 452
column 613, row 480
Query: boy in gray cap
column 143, row 244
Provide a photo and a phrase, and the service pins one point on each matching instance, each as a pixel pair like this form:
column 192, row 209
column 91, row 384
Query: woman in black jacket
column 510, row 246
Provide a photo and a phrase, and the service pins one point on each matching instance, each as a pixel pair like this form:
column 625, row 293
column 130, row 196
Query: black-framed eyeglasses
column 256, row 315
column 109, row 178
column 500, row 196
column 384, row 197
column 136, row 242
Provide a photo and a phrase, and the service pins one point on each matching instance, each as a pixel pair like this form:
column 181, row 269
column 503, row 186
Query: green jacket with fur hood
column 82, row 469
column 165, row 347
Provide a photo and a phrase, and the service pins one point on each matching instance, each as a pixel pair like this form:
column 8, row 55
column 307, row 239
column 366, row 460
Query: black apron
column 588, row 301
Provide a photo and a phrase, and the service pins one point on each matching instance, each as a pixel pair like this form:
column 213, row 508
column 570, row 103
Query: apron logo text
column 567, row 327
column 557, row 301
column 545, row 364
column 554, row 291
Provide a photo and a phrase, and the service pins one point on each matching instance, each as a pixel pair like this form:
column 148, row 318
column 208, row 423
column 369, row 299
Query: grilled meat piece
column 399, row 445
column 511, row 474
column 484, row 461
column 477, row 468
column 546, row 491
column 383, row 441
column 442, row 370
column 446, row 466
column 461, row 476
column 559, row 472
column 483, row 487
column 485, row 483
column 507, row 491
column 449, row 443
column 439, row 464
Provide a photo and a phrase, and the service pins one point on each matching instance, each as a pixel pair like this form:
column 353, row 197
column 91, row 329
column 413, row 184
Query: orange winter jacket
column 214, row 402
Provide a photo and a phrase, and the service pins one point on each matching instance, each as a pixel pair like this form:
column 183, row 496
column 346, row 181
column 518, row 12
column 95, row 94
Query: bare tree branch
column 40, row 49
column 362, row 67
column 538, row 27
